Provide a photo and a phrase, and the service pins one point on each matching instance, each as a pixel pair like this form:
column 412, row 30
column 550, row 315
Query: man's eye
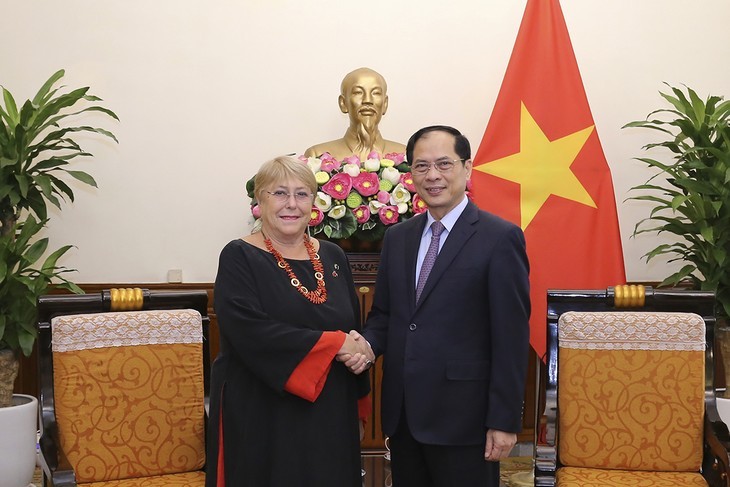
column 420, row 167
column 443, row 165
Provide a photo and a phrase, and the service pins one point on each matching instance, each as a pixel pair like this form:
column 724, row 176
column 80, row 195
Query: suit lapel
column 459, row 235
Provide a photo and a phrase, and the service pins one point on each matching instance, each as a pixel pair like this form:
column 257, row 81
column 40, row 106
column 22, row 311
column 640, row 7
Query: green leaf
column 36, row 250
column 50, row 263
column 26, row 341
column 38, row 98
column 83, row 177
column 11, row 109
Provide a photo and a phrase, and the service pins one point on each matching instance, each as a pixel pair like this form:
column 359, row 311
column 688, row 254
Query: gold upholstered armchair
column 630, row 399
column 124, row 388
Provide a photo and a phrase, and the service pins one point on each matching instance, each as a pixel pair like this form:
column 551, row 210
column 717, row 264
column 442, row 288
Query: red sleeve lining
column 309, row 377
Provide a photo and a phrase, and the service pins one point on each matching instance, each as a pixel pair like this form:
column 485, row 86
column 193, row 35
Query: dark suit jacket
column 456, row 361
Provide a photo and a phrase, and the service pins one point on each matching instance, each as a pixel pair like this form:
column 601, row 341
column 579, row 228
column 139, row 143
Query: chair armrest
column 546, row 455
column 715, row 458
column 56, row 467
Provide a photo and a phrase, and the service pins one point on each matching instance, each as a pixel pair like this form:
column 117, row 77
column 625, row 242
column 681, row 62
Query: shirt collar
column 449, row 220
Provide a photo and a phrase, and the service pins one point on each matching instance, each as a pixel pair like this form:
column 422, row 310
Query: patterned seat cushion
column 594, row 477
column 128, row 391
column 186, row 479
column 631, row 391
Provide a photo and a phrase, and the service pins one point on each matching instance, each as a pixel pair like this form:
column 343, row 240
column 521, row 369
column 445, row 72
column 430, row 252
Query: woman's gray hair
column 279, row 170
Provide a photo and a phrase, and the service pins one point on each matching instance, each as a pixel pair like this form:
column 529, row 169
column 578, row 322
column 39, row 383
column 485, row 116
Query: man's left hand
column 499, row 445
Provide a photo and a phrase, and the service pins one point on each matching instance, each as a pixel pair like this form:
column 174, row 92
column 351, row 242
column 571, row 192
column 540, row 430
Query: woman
column 284, row 412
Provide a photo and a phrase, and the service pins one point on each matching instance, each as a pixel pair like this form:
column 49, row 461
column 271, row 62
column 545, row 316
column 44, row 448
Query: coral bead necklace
column 319, row 295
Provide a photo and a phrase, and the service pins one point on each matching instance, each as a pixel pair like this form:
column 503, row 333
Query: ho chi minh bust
column 364, row 97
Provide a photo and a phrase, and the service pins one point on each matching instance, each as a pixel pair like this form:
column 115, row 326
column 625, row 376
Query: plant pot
column 18, row 427
column 723, row 409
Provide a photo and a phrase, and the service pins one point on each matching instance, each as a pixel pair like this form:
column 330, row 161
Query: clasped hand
column 356, row 353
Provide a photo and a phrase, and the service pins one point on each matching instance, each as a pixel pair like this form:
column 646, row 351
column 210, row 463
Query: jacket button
column 412, row 327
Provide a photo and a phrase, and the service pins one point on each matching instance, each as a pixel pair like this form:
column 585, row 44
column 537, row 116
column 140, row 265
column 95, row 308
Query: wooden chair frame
column 56, row 468
column 715, row 462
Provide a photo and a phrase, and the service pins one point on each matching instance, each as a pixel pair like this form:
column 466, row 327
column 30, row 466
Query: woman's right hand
column 356, row 353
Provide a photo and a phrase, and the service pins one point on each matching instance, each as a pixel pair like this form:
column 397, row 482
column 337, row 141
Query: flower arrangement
column 358, row 199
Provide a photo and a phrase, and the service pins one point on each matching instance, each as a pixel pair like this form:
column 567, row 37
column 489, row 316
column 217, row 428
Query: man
column 364, row 97
column 455, row 358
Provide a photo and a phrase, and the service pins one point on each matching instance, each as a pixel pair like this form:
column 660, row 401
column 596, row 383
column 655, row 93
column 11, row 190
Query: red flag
column 541, row 166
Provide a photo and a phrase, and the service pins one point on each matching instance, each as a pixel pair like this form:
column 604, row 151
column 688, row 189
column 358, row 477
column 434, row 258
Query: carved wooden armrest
column 715, row 459
column 546, row 455
column 56, row 467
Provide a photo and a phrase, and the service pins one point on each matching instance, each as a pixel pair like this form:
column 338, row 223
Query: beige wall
column 207, row 90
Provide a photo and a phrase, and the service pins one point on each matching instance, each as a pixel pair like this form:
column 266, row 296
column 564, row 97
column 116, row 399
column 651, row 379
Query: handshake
column 356, row 353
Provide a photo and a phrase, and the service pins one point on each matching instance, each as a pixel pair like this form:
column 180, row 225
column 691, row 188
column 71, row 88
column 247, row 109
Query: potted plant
column 36, row 147
column 690, row 192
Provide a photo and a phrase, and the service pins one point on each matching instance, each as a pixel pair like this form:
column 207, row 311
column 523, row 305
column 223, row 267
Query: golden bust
column 364, row 97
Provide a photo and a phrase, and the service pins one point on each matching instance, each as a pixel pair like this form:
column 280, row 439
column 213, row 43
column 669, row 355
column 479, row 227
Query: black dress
column 273, row 438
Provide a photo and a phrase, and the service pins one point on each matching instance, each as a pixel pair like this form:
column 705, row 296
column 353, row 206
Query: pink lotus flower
column 367, row 183
column 383, row 196
column 419, row 206
column 329, row 163
column 406, row 180
column 397, row 157
column 374, row 155
column 353, row 159
column 362, row 213
column 316, row 217
column 468, row 184
column 388, row 215
column 339, row 186
column 256, row 211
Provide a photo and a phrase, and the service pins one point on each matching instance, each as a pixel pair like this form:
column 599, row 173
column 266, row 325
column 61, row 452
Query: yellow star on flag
column 542, row 167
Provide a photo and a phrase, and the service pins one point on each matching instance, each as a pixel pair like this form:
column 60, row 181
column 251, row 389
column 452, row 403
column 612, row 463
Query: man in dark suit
column 455, row 345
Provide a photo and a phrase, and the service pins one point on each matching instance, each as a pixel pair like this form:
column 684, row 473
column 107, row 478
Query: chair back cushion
column 128, row 393
column 631, row 390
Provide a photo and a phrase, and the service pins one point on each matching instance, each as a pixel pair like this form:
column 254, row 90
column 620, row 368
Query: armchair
column 629, row 396
column 124, row 388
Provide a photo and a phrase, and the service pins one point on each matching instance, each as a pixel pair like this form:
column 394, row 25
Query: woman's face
column 286, row 209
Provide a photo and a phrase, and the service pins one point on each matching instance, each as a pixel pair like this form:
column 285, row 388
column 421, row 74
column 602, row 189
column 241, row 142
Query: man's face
column 364, row 99
column 441, row 191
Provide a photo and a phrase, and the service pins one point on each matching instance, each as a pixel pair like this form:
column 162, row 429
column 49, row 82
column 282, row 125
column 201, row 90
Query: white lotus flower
column 374, row 206
column 337, row 212
column 372, row 165
column 391, row 174
column 323, row 201
column 352, row 169
column 402, row 208
column 400, row 195
column 314, row 164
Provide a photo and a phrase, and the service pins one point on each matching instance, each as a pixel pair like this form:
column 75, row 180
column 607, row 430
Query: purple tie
column 428, row 261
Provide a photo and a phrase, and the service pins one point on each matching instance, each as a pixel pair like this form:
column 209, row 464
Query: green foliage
column 36, row 146
column 690, row 193
column 22, row 281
